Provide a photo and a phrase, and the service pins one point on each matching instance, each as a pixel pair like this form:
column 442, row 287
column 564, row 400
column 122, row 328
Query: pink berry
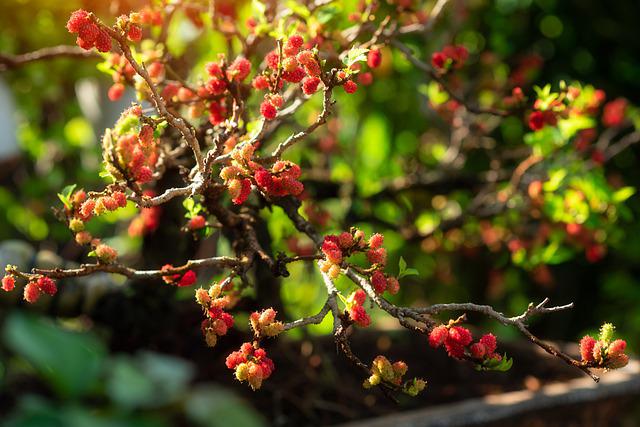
column 8, row 283
column 350, row 86
column 374, row 58
column 310, row 85
column 268, row 110
column 116, row 91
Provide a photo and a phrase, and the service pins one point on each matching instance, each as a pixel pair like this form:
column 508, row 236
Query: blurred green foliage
column 94, row 389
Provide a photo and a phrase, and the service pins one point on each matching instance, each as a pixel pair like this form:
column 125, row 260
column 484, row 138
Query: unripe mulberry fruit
column 135, row 33
column 106, row 253
column 310, row 85
column 211, row 338
column 334, row 271
column 83, row 237
column 120, row 198
column 376, row 240
column 242, row 371
column 345, row 239
column 116, row 91
column 260, row 83
column 586, row 348
column 47, row 285
column 76, row 225
column 478, row 350
column 438, row 335
column 8, row 283
column 197, row 222
column 86, row 209
column 616, row 348
column 31, row 292
column 293, row 45
column 374, row 58
column 393, row 286
column 202, row 297
column 350, row 86
column 378, row 281
column 268, row 110
column 239, row 69
column 490, row 342
column 460, row 335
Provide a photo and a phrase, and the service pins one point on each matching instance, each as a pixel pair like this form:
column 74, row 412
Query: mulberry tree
column 220, row 123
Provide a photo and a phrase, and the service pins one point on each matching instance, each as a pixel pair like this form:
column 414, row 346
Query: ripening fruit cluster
column 218, row 321
column 570, row 101
column 35, row 287
column 449, row 57
column 383, row 370
column 251, row 365
column 280, row 180
column 136, row 147
column 457, row 341
column 356, row 310
column 336, row 248
column 604, row 352
column 83, row 208
column 89, row 34
column 264, row 324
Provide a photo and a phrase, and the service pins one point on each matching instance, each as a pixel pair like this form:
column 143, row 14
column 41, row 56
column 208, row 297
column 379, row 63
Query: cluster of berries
column 221, row 77
column 458, row 343
column 356, row 310
column 264, row 323
column 449, row 57
column 82, row 209
column 604, row 352
column 129, row 24
column 179, row 280
column 336, row 248
column 218, row 321
column 138, row 153
column 33, row 289
column 280, row 180
column 383, row 370
column 89, row 34
column 572, row 100
column 295, row 65
column 251, row 365
column 88, row 207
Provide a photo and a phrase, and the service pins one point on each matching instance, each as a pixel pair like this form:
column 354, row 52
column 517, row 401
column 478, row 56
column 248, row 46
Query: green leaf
column 502, row 365
column 258, row 7
column 402, row 265
column 65, row 195
column 71, row 362
column 298, row 9
column 355, row 54
column 623, row 194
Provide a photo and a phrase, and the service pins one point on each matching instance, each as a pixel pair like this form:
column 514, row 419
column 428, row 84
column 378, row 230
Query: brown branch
column 178, row 122
column 13, row 61
column 88, row 269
